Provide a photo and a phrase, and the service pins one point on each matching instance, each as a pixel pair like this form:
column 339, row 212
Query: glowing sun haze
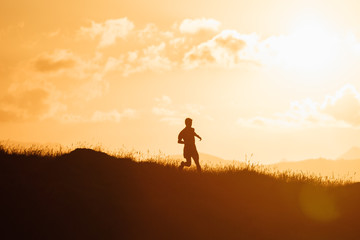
column 276, row 78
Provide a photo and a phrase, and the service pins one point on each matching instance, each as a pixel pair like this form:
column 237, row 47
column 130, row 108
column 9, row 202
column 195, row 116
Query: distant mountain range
column 352, row 154
column 349, row 169
column 346, row 166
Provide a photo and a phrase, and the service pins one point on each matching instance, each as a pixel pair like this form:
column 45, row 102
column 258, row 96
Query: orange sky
column 275, row 78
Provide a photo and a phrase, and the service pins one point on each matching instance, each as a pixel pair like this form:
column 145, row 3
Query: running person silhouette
column 187, row 137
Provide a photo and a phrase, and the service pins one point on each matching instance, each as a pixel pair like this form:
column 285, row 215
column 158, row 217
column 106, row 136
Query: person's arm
column 198, row 136
column 180, row 139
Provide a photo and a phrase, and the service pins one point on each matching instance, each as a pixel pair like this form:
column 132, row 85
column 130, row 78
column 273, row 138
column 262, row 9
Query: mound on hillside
column 85, row 153
column 90, row 195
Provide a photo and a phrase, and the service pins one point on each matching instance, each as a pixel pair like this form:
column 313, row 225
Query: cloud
column 151, row 33
column 24, row 105
column 230, row 40
column 109, row 31
column 11, row 30
column 8, row 116
column 101, row 116
column 163, row 107
column 64, row 71
column 166, row 111
column 174, row 114
column 178, row 42
column 340, row 110
column 53, row 33
column 62, row 86
column 33, row 101
column 162, row 111
column 196, row 44
column 262, row 122
column 163, row 100
column 305, row 113
column 228, row 49
column 192, row 26
column 344, row 106
column 60, row 59
column 112, row 116
column 193, row 109
column 73, row 78
column 152, row 58
column 172, row 120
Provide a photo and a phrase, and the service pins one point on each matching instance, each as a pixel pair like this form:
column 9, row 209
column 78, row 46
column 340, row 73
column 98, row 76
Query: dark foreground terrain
column 90, row 195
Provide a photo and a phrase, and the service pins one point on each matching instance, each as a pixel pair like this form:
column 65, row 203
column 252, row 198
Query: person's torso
column 188, row 134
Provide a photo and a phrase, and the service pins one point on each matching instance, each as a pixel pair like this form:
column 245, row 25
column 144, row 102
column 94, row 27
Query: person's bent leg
column 188, row 162
column 196, row 160
column 185, row 164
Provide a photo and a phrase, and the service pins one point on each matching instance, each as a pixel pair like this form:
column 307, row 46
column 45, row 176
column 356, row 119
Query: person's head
column 188, row 122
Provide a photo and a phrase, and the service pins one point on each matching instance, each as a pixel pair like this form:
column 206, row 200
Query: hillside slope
column 90, row 195
column 205, row 159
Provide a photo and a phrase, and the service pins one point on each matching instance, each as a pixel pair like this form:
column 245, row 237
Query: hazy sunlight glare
column 311, row 47
column 318, row 204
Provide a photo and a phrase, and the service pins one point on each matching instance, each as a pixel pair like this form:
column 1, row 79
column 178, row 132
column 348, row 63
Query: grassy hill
column 205, row 159
column 87, row 194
